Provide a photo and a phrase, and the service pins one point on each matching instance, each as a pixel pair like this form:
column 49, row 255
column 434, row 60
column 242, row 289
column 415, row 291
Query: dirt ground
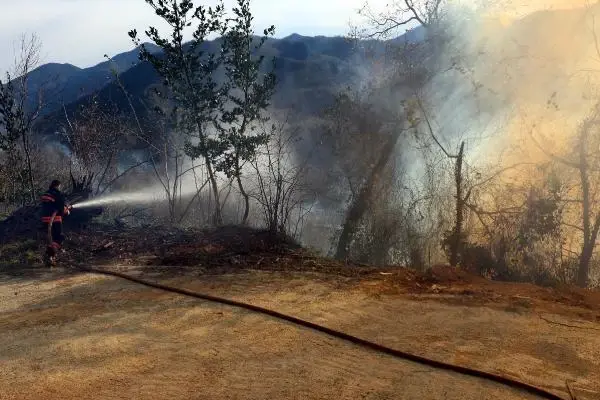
column 72, row 336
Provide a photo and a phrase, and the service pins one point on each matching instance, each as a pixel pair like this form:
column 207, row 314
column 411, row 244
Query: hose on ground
column 515, row 384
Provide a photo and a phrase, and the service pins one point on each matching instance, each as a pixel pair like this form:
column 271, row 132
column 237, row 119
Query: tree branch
column 552, row 155
column 424, row 112
column 109, row 184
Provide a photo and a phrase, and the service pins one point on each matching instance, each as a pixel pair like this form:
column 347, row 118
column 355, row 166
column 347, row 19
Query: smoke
column 515, row 84
column 504, row 74
column 507, row 11
column 528, row 69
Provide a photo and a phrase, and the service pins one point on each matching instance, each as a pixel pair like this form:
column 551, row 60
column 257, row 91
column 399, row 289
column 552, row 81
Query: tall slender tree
column 249, row 94
column 188, row 70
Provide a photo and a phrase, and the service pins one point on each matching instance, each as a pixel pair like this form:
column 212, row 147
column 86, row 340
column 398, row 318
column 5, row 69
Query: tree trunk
column 361, row 202
column 217, row 217
column 277, row 205
column 456, row 242
column 238, row 176
column 584, row 265
column 246, row 200
column 27, row 151
column 589, row 233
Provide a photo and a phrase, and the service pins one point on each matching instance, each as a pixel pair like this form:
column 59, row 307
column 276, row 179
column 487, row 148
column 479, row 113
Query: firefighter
column 54, row 208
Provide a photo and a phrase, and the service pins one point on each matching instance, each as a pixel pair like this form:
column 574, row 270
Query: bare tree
column 388, row 232
column 170, row 164
column 281, row 189
column 419, row 66
column 165, row 150
column 362, row 138
column 96, row 137
column 461, row 196
column 586, row 163
column 401, row 14
column 16, row 118
column 411, row 74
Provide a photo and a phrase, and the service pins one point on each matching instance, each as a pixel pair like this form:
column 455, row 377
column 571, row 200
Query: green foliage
column 542, row 217
column 188, row 69
column 202, row 102
column 12, row 116
column 249, row 91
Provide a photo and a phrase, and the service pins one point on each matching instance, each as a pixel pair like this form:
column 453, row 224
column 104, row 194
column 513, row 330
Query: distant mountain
column 65, row 83
column 310, row 70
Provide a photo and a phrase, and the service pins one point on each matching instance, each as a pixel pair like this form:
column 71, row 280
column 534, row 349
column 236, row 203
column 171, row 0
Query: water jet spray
column 138, row 197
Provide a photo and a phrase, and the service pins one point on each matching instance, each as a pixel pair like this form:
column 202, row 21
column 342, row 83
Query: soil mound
column 446, row 274
column 225, row 242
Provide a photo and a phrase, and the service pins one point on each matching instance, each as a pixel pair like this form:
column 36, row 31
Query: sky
column 80, row 32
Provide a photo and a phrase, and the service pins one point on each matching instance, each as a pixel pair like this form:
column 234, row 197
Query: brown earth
column 71, row 335
column 84, row 336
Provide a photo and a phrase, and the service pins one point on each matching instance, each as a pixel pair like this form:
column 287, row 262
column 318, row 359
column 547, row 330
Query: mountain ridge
column 310, row 70
column 63, row 83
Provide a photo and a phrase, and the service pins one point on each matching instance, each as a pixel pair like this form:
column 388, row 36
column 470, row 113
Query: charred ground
column 172, row 252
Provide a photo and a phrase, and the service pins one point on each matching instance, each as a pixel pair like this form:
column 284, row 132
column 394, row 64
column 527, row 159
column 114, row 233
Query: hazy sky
column 80, row 32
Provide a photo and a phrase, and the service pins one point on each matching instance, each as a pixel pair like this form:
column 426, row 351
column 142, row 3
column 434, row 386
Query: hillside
column 309, row 70
column 65, row 83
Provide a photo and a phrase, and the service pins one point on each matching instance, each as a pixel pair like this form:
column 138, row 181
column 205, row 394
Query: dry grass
column 71, row 335
column 94, row 337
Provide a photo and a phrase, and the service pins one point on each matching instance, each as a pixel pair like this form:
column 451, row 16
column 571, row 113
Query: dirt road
column 86, row 336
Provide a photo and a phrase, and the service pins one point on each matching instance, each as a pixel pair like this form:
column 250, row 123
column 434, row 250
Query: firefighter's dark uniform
column 53, row 201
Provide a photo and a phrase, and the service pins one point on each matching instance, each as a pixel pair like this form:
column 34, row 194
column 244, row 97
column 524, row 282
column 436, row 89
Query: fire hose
column 515, row 384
